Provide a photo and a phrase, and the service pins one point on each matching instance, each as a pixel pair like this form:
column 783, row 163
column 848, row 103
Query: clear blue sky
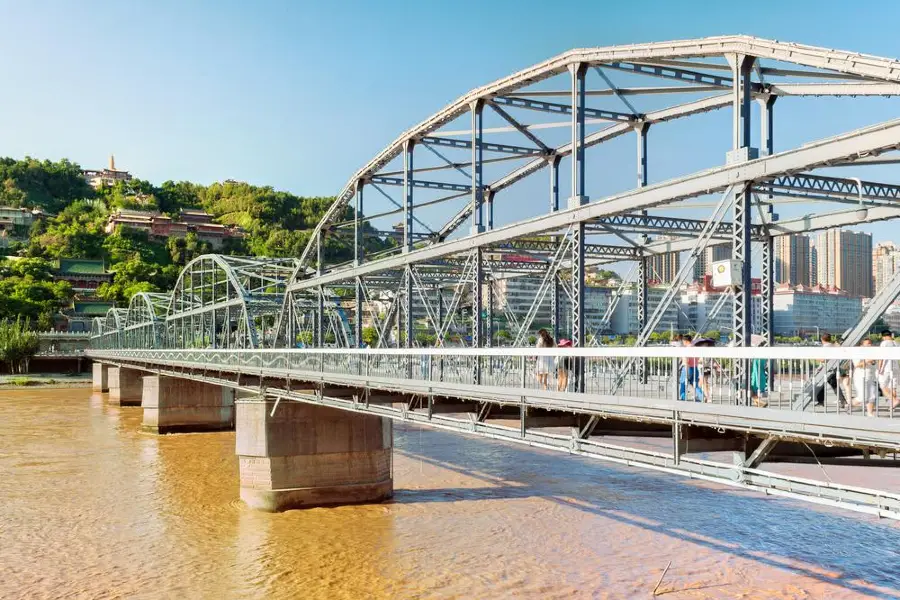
column 299, row 95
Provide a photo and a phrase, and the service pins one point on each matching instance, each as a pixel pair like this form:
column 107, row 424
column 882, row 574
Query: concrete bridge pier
column 125, row 386
column 173, row 405
column 100, row 377
column 306, row 455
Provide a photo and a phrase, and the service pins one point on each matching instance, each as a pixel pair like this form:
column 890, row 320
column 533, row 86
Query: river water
column 93, row 508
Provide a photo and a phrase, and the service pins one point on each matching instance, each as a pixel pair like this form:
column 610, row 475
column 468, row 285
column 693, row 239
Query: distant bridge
column 473, row 223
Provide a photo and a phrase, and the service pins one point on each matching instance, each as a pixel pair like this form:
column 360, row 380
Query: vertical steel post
column 578, row 198
column 440, row 322
column 477, row 326
column 320, row 295
column 578, row 71
column 767, row 314
column 743, row 216
column 489, row 312
column 643, row 270
column 408, row 305
column 439, row 293
column 406, row 291
column 360, row 312
column 358, row 226
column 408, row 171
column 476, row 108
column 554, row 206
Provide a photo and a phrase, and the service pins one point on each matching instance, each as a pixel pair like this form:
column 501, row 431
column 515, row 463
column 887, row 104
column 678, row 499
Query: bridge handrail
column 768, row 353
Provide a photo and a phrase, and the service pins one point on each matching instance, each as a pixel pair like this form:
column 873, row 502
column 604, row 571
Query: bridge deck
column 410, row 386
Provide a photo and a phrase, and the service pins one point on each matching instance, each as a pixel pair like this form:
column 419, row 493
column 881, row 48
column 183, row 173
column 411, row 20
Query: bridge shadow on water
column 852, row 551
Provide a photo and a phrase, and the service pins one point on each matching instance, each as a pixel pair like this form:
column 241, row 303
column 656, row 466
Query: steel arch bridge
column 145, row 320
column 491, row 194
column 227, row 301
column 521, row 189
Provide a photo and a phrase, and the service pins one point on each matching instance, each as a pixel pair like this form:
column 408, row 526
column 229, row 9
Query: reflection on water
column 94, row 508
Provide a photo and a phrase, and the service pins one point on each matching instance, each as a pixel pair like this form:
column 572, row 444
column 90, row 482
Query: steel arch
column 400, row 289
column 227, row 302
column 653, row 59
column 144, row 325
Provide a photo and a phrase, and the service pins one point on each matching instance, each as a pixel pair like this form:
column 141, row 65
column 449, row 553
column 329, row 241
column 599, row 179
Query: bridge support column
column 125, row 386
column 100, row 377
column 173, row 405
column 306, row 455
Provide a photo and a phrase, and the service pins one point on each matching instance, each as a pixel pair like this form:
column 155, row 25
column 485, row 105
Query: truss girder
column 563, row 109
column 486, row 146
column 831, row 187
column 846, row 65
column 604, row 135
column 842, row 148
column 430, row 185
column 227, row 301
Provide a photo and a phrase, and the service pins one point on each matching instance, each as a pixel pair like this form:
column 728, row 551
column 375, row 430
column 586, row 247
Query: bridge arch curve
column 454, row 168
column 672, row 60
column 144, row 325
column 227, row 301
column 107, row 332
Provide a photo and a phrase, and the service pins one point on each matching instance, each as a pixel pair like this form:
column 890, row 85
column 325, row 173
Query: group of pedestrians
column 546, row 365
column 858, row 382
column 696, row 373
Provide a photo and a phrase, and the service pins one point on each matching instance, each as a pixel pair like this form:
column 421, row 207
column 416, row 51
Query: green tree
column 18, row 343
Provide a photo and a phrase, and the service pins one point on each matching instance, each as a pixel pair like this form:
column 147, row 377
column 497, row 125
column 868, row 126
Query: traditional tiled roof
column 94, row 309
column 78, row 266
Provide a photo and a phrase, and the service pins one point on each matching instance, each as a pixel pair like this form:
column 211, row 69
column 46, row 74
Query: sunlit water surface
column 93, row 508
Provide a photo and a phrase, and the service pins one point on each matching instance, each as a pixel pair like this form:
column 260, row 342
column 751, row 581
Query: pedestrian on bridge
column 689, row 375
column 865, row 384
column 888, row 375
column 563, row 366
column 544, row 363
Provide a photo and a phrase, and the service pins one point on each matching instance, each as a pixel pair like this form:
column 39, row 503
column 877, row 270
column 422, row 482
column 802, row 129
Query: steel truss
column 227, row 302
column 446, row 278
column 460, row 266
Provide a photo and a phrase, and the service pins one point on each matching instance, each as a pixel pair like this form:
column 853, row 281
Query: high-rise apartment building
column 792, row 259
column 712, row 254
column 844, row 261
column 664, row 267
column 885, row 262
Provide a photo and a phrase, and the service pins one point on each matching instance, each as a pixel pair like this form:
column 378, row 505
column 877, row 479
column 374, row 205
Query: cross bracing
column 450, row 193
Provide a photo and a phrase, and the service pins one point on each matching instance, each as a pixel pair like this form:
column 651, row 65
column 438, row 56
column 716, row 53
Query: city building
column 810, row 310
column 715, row 253
column 703, row 307
column 844, row 261
column 891, row 318
column 625, row 316
column 662, row 268
column 108, row 176
column 885, row 263
column 84, row 275
column 792, row 259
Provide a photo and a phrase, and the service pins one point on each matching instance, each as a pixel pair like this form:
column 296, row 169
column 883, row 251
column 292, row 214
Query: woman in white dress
column 865, row 382
column 544, row 363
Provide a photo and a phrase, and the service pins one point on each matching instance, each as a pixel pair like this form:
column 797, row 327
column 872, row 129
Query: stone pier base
column 100, row 380
column 125, row 387
column 173, row 405
column 307, row 455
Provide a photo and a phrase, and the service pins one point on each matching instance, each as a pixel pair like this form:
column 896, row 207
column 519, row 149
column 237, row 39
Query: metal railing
column 862, row 381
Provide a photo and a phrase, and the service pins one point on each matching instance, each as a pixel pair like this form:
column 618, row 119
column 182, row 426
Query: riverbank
column 44, row 381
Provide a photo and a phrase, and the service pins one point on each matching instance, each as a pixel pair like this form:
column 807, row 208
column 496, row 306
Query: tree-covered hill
column 276, row 224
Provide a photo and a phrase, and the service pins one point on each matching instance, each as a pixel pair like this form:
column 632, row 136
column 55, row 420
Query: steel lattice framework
column 452, row 202
column 145, row 321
